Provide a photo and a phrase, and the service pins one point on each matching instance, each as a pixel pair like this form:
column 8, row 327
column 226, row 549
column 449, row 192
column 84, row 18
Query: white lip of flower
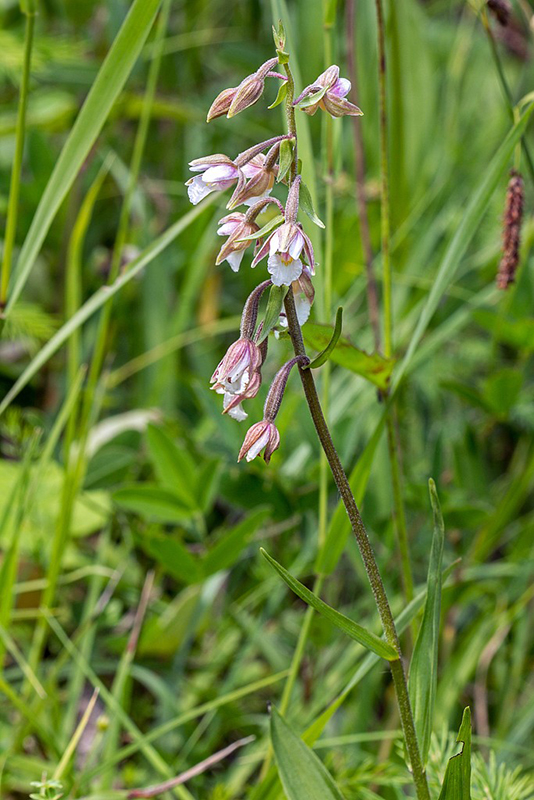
column 235, row 384
column 285, row 267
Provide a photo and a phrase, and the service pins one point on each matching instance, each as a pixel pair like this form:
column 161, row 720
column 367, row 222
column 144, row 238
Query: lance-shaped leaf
column 272, row 312
column 361, row 635
column 424, row 663
column 108, row 84
column 286, row 158
column 457, row 780
column 374, row 367
column 267, row 228
column 302, row 773
column 306, row 203
column 324, row 355
column 281, row 96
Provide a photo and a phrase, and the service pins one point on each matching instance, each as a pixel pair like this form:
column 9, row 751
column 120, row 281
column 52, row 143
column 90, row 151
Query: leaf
column 312, row 99
column 281, row 96
column 424, row 663
column 374, row 367
column 286, row 159
column 174, row 467
column 457, row 780
column 323, row 357
column 272, row 312
column 303, row 775
column 106, row 88
column 502, row 390
column 173, row 556
column 352, row 629
column 232, row 543
column 267, row 228
column 306, row 203
column 152, row 502
column 461, row 239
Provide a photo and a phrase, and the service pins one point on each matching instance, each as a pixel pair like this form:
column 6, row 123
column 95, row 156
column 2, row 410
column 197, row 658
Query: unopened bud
column 221, row 104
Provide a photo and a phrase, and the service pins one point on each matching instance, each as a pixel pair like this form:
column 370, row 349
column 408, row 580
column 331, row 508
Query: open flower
column 304, row 295
column 218, row 173
column 331, row 91
column 262, row 435
column 238, row 376
column 236, row 227
column 285, row 246
column 259, row 184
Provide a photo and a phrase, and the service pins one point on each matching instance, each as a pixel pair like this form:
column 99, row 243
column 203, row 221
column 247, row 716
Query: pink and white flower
column 238, row 376
column 331, row 91
column 236, row 227
column 304, row 295
column 218, row 173
column 259, row 184
column 285, row 247
column 261, row 436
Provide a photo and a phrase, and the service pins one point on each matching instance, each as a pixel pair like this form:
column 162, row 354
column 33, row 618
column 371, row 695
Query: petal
column 197, row 189
column 283, row 274
column 303, row 308
column 238, row 413
column 329, row 77
column 258, row 446
column 227, row 228
column 296, row 245
column 235, row 259
column 220, row 173
column 251, row 201
column 341, row 88
column 274, row 242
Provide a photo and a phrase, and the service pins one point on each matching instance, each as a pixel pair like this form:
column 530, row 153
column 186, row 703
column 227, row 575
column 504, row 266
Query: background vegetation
column 130, row 537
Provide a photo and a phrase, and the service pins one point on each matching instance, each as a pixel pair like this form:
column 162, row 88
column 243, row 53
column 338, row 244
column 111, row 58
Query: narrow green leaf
column 352, row 629
column 232, row 543
column 106, row 88
column 457, row 780
column 174, row 467
column 267, row 228
column 424, row 663
column 285, row 160
column 306, row 203
column 152, row 502
column 281, row 96
column 272, row 312
column 323, row 356
column 374, row 366
column 173, row 556
column 311, row 99
column 461, row 239
column 303, row 775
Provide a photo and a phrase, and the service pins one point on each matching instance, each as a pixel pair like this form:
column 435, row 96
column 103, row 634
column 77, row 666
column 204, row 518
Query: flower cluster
column 282, row 240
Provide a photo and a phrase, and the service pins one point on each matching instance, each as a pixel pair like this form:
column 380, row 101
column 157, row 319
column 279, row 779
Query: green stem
column 14, row 189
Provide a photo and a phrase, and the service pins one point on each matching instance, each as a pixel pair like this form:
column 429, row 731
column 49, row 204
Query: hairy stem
column 14, row 189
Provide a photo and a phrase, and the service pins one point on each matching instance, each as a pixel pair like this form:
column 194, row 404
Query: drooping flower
column 236, row 226
column 261, row 436
column 238, row 376
column 285, row 246
column 261, row 177
column 304, row 295
column 217, row 173
column 330, row 91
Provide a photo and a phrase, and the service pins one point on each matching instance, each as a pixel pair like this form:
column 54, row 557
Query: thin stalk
column 504, row 85
column 359, row 163
column 399, row 516
column 358, row 527
column 14, row 189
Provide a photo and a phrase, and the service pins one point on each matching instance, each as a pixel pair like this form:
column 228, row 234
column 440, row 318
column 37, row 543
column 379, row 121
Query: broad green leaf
column 361, row 635
column 323, row 356
column 173, row 556
column 461, row 239
column 285, row 160
column 174, row 467
column 152, row 502
column 457, row 780
column 306, row 203
column 424, row 663
column 106, row 88
column 374, row 367
column 232, row 543
column 99, row 299
column 302, row 773
column 275, row 304
column 281, row 96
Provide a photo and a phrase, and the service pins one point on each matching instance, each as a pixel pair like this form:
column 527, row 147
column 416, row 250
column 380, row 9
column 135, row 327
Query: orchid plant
column 291, row 267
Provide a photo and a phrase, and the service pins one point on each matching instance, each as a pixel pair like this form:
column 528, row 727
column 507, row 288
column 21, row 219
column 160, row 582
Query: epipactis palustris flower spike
column 333, row 100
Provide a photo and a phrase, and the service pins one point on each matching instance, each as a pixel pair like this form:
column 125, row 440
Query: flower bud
column 222, row 103
column 250, row 89
column 262, row 435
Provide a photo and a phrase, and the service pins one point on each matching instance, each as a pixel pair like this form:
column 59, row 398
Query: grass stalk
column 14, row 188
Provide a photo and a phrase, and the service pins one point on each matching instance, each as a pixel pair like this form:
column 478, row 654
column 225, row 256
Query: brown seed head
column 513, row 217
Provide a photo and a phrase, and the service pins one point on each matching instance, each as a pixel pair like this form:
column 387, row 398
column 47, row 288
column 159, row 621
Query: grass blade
column 352, row 629
column 303, row 775
column 457, row 780
column 424, row 663
column 108, row 84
